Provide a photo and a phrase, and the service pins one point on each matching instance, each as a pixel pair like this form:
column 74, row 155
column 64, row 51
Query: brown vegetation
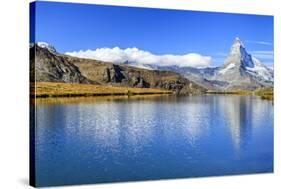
column 265, row 93
column 50, row 89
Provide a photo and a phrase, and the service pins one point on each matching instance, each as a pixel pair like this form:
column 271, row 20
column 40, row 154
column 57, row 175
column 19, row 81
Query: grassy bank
column 264, row 93
column 49, row 89
column 234, row 92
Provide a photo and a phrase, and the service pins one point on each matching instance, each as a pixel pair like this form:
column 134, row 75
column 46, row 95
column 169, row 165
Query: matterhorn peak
column 47, row 46
column 237, row 40
column 237, row 47
column 238, row 55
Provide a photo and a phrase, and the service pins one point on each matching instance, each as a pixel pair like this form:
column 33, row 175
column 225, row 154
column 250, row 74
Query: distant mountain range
column 240, row 70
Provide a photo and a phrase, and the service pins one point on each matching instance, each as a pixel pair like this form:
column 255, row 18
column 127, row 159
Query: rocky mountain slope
column 123, row 75
column 50, row 66
column 47, row 65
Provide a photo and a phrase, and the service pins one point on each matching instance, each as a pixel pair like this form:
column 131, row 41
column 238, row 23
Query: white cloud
column 260, row 42
column 137, row 56
column 263, row 54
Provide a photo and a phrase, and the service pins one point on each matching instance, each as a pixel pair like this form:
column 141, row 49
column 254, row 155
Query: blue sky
column 73, row 27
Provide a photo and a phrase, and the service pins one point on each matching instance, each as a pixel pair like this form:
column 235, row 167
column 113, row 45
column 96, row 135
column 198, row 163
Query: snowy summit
column 45, row 45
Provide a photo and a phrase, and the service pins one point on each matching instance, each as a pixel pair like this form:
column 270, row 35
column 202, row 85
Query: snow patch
column 45, row 45
column 260, row 70
column 228, row 67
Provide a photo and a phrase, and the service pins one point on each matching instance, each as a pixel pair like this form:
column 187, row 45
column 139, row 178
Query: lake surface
column 94, row 140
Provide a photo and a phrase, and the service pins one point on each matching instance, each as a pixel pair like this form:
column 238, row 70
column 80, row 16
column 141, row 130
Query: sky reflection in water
column 121, row 139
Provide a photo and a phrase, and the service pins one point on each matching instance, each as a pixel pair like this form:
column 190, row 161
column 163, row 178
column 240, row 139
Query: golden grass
column 234, row 92
column 265, row 93
column 50, row 89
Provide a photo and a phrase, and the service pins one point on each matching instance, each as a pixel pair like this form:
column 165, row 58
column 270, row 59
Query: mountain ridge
column 50, row 66
column 240, row 70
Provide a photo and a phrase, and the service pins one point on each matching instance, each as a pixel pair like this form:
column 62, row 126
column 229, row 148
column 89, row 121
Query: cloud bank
column 137, row 56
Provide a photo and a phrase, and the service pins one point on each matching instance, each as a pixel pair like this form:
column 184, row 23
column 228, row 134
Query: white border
column 14, row 92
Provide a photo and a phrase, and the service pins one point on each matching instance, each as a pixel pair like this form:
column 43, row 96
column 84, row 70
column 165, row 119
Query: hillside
column 51, row 66
column 48, row 66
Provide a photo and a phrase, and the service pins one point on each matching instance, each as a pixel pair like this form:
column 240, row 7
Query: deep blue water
column 93, row 141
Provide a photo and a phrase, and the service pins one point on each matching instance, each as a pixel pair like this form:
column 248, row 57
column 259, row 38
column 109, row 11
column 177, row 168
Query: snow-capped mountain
column 45, row 45
column 242, row 70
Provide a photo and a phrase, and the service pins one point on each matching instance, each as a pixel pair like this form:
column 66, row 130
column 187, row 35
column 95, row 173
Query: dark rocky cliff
column 51, row 67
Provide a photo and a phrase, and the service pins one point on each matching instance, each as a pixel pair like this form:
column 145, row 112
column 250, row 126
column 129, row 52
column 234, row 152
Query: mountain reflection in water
column 155, row 137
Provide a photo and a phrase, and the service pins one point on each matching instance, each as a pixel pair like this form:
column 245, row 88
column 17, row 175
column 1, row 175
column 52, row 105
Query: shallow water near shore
column 113, row 139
